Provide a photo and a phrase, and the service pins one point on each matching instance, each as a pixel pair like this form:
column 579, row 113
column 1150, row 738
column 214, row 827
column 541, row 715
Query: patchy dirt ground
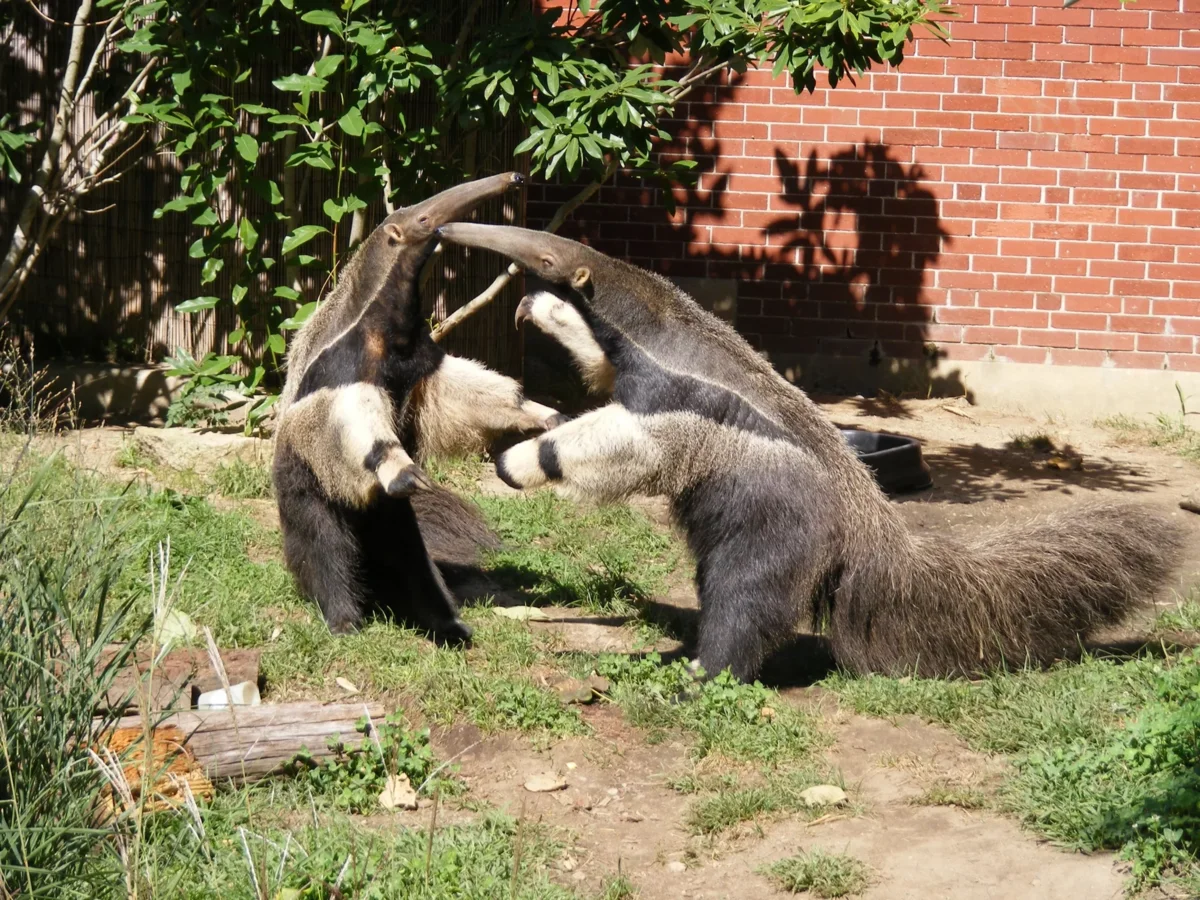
column 618, row 805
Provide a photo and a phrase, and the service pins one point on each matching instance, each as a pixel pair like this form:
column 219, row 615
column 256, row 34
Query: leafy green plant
column 821, row 874
column 746, row 722
column 355, row 776
column 329, row 91
column 212, row 391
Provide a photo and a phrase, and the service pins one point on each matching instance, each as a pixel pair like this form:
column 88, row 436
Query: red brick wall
column 1029, row 191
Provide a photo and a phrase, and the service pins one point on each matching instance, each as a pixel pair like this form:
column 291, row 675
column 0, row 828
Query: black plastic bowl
column 895, row 460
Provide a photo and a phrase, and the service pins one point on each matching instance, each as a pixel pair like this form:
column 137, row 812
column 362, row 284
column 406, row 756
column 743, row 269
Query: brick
column 1137, row 360
column 1126, row 56
column 1060, row 232
column 1163, row 343
column 1045, row 338
column 1146, row 253
column 1138, row 324
column 1092, row 340
column 988, row 335
column 1065, row 357
column 999, row 264
column 1020, row 318
column 1034, row 105
column 1079, row 321
column 969, row 315
column 1057, row 266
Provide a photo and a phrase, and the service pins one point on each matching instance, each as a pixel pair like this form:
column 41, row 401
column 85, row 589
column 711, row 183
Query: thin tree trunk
column 37, row 198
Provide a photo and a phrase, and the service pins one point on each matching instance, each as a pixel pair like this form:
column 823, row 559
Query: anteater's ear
column 581, row 277
column 395, row 234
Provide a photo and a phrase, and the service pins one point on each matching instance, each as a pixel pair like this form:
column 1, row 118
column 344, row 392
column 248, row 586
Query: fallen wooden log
column 251, row 742
column 178, row 678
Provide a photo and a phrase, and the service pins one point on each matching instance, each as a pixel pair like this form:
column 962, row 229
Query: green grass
column 1037, row 443
column 1106, row 753
column 1171, row 432
column 290, row 838
column 1184, row 618
column 772, row 794
column 253, row 846
column 607, row 559
column 821, row 874
column 951, row 794
column 240, row 480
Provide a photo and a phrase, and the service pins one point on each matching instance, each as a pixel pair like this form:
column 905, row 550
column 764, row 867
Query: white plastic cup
column 243, row 694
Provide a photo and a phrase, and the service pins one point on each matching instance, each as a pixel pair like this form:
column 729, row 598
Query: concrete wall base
column 115, row 394
column 1070, row 393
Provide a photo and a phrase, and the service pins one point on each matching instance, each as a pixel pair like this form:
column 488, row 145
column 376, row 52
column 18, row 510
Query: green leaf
column 211, row 268
column 276, row 344
column 267, row 189
column 247, row 148
column 328, row 65
column 257, row 109
column 235, row 336
column 197, row 304
column 352, row 122
column 248, row 234
column 301, row 316
column 333, row 209
column 304, row 259
column 198, row 250
column 301, row 83
column 325, row 18
column 239, row 293
column 286, row 292
column 206, row 218
column 301, row 236
column 182, row 80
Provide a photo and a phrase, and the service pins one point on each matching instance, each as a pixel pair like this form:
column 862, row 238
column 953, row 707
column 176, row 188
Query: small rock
column 176, row 627
column 676, row 866
column 577, row 876
column 346, row 685
column 824, row 795
column 612, row 792
column 275, row 633
column 541, row 784
column 767, row 713
column 568, row 864
column 570, row 767
column 521, row 613
column 398, row 793
column 633, row 817
column 1065, row 463
column 573, row 691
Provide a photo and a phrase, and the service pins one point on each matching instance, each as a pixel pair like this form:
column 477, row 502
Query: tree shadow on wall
column 829, row 278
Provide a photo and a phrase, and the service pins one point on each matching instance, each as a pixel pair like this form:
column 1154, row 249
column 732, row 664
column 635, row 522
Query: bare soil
column 623, row 815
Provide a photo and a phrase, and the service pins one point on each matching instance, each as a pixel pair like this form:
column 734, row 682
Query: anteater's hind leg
column 319, row 544
column 401, row 577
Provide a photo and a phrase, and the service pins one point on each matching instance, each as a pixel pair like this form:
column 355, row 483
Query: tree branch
column 493, row 290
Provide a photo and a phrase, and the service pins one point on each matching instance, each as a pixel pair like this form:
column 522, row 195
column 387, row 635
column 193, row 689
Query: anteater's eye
column 424, row 220
column 547, row 263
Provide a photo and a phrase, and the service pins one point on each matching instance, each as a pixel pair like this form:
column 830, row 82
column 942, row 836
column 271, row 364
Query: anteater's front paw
column 408, row 481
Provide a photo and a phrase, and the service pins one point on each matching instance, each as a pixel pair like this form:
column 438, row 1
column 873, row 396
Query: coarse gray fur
column 784, row 521
column 368, row 395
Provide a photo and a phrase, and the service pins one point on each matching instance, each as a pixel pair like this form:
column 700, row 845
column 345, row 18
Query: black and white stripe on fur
column 785, row 523
column 368, row 397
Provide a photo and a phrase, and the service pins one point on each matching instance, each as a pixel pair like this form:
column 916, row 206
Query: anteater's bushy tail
column 1025, row 593
column 453, row 529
